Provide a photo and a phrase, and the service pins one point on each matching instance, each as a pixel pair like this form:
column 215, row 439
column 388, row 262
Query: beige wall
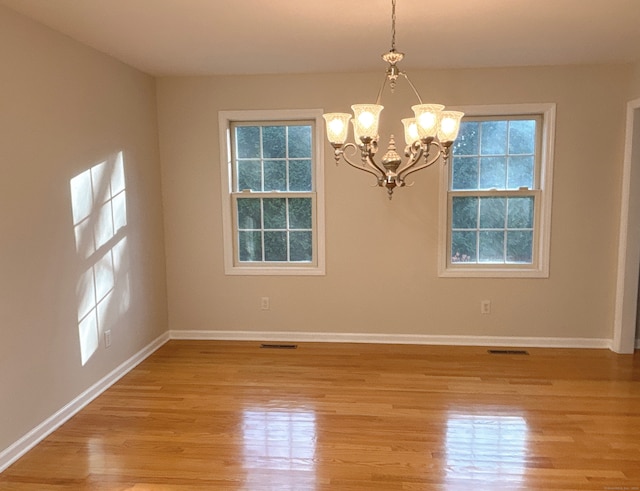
column 381, row 256
column 65, row 109
column 635, row 84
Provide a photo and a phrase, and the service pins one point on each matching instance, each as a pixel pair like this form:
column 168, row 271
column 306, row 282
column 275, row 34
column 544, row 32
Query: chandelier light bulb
column 410, row 130
column 366, row 119
column 337, row 127
column 449, row 125
column 428, row 121
column 428, row 118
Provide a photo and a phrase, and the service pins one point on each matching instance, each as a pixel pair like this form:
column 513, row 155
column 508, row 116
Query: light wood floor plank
column 208, row 415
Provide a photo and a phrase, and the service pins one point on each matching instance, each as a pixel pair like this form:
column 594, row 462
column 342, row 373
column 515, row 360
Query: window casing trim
column 228, row 196
column 543, row 201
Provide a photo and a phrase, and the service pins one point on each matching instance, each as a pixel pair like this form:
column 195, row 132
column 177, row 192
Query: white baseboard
column 12, row 453
column 320, row 337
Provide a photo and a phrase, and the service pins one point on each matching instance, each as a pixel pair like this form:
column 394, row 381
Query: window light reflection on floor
column 485, row 448
column 279, row 448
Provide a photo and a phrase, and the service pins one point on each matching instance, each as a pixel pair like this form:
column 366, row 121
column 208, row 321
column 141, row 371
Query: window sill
column 274, row 271
column 493, row 272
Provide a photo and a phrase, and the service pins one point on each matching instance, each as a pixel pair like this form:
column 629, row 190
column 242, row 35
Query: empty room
column 381, row 245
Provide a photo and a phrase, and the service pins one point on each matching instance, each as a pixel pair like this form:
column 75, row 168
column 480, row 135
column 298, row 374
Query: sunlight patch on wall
column 99, row 207
column 486, row 448
column 279, row 448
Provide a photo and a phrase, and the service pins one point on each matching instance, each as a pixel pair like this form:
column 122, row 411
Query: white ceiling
column 200, row 37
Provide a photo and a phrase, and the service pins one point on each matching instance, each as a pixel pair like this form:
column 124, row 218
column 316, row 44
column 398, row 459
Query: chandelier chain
column 393, row 25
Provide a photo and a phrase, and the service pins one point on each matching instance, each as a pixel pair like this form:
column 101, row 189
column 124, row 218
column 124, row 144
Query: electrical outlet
column 264, row 303
column 485, row 307
column 107, row 338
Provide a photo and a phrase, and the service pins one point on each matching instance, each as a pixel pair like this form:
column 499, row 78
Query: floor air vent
column 507, row 352
column 279, row 346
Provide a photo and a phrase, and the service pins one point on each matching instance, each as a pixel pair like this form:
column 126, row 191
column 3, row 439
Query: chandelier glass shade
column 428, row 135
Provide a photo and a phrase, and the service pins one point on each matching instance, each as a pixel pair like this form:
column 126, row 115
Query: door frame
column 628, row 272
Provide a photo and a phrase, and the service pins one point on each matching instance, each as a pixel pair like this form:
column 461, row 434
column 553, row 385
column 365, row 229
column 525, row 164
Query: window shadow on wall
column 99, row 206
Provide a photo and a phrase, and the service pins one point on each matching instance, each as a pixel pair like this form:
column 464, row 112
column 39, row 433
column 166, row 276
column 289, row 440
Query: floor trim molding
column 12, row 453
column 528, row 342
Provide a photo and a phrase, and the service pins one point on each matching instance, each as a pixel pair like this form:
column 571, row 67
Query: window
column 498, row 193
column 272, row 192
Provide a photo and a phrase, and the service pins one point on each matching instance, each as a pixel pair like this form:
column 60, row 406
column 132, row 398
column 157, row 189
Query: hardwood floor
column 207, row 415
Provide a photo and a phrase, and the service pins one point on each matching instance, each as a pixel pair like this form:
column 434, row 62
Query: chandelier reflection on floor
column 428, row 135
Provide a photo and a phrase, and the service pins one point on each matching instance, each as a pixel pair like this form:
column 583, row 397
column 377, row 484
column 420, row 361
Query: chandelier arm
column 411, row 169
column 375, row 171
column 384, row 82
column 413, row 87
column 375, row 168
column 415, row 153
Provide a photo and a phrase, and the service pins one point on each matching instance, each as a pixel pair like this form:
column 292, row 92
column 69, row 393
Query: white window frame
column 231, row 265
column 542, row 223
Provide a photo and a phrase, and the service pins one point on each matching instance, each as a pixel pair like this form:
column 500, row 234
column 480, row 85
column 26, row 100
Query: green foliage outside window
column 489, row 222
column 268, row 159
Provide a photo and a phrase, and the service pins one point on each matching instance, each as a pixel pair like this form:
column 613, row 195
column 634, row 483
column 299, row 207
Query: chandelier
column 428, row 135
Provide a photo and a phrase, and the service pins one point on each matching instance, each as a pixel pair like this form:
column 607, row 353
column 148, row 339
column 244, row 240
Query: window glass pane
column 249, row 214
column 249, row 175
column 520, row 246
column 520, row 212
column 520, row 172
column 463, row 247
column 300, row 175
column 522, row 137
column 464, row 173
column 467, row 141
column 300, row 246
column 274, row 156
column 498, row 155
column 250, row 246
column 491, row 247
column 300, row 213
column 248, row 142
column 299, row 142
column 275, row 175
column 275, row 246
column 465, row 212
column 274, row 142
column 275, row 213
column 492, row 212
column 493, row 172
column 493, row 139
